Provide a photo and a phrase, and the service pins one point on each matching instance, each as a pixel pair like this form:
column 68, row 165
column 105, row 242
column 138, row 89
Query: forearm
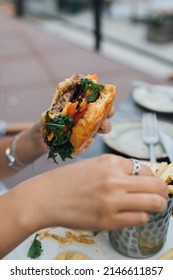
column 13, row 128
column 40, row 202
column 26, row 209
column 18, row 217
column 29, row 147
column 98, row 193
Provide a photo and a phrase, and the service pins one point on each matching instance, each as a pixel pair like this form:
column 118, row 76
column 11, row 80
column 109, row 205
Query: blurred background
column 138, row 32
column 42, row 42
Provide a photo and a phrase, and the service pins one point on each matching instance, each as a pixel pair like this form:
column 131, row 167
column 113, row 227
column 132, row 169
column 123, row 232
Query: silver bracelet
column 12, row 159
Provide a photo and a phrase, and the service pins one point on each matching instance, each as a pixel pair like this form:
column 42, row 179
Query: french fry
column 158, row 168
column 165, row 172
column 165, row 175
column 155, row 167
column 167, row 255
column 162, row 167
column 170, row 189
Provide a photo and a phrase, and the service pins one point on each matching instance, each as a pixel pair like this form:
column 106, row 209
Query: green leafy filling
column 60, row 145
column 35, row 249
column 95, row 89
column 62, row 125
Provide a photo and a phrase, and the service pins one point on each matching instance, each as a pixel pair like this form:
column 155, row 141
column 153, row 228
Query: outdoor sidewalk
column 33, row 62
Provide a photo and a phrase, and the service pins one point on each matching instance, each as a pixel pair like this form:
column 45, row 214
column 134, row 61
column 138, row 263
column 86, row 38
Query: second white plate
column 158, row 99
column 126, row 138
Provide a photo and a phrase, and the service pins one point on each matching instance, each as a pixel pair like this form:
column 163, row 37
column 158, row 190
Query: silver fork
column 150, row 134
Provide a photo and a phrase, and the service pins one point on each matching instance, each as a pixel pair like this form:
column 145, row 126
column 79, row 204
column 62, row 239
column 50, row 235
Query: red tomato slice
column 72, row 109
column 78, row 115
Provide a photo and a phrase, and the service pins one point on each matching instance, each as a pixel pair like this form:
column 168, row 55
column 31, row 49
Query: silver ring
column 136, row 166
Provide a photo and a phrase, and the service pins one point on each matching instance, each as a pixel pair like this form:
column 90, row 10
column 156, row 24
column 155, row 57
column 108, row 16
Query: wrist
column 30, row 145
column 12, row 159
column 28, row 207
column 49, row 206
column 37, row 138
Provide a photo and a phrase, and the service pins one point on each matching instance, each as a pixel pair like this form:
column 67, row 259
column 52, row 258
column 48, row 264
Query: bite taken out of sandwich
column 79, row 106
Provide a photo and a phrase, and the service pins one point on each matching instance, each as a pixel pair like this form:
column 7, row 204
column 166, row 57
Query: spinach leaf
column 93, row 87
column 65, row 151
column 35, row 249
column 60, row 145
column 58, row 123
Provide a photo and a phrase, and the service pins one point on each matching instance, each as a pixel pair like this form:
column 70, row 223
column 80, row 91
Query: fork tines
column 150, row 134
column 149, row 126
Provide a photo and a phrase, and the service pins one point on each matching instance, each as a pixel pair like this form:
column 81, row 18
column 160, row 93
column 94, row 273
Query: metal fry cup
column 144, row 241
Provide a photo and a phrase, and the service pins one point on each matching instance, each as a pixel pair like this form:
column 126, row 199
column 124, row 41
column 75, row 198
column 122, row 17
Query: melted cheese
column 52, row 116
column 50, row 136
column 64, row 111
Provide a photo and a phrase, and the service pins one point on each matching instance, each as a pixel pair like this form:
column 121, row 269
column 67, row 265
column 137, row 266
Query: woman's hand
column 35, row 137
column 98, row 193
column 106, row 126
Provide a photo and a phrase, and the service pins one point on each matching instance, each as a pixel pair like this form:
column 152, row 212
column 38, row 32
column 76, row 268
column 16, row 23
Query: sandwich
column 79, row 106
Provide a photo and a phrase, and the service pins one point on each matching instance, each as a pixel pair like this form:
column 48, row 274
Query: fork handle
column 152, row 153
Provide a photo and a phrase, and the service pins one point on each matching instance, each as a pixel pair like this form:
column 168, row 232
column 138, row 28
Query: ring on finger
column 136, row 166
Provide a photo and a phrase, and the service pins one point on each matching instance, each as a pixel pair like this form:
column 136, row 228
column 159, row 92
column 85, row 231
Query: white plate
column 126, row 138
column 159, row 99
column 100, row 250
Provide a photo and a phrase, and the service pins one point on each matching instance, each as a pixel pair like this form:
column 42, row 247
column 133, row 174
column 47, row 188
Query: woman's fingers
column 147, row 184
column 130, row 209
column 129, row 219
column 144, row 182
column 143, row 202
column 105, row 127
column 89, row 143
column 127, row 165
column 112, row 112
